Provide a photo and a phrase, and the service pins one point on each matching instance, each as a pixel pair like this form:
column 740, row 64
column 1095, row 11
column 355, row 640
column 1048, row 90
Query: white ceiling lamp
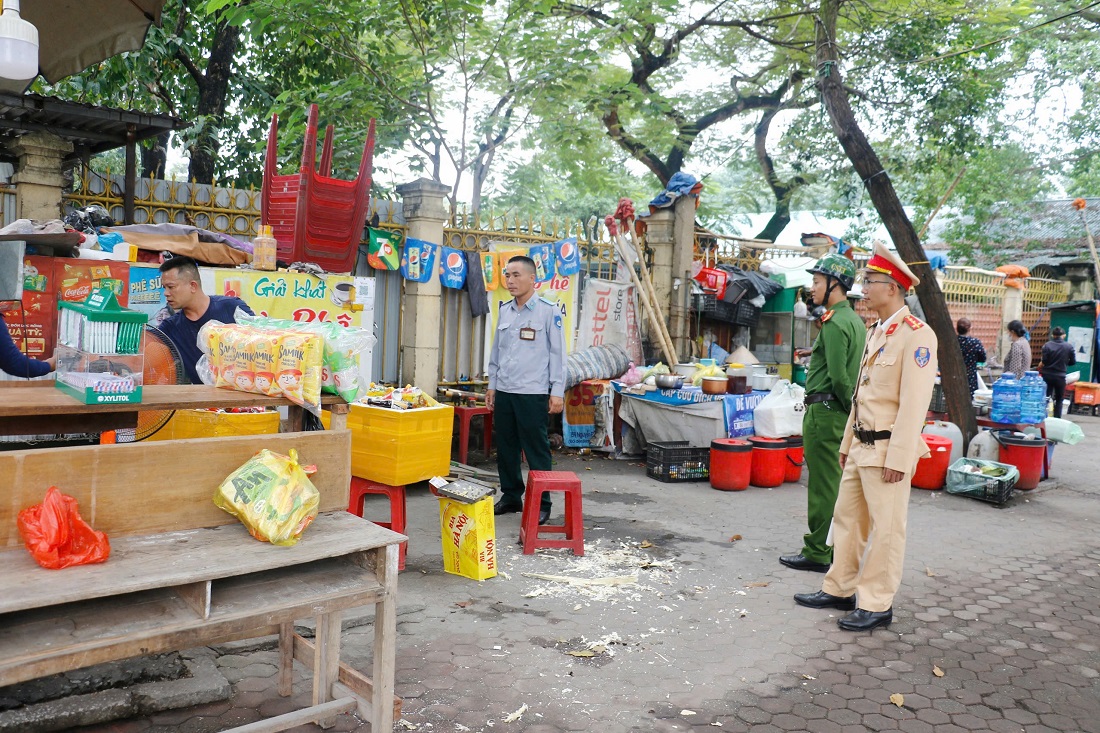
column 18, row 50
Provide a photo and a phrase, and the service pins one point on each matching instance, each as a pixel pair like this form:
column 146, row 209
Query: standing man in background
column 834, row 367
column 973, row 353
column 193, row 310
column 879, row 452
column 526, row 383
column 1057, row 356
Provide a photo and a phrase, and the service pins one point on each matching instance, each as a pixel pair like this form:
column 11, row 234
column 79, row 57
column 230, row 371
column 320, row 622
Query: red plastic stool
column 465, row 416
column 360, row 487
column 539, row 483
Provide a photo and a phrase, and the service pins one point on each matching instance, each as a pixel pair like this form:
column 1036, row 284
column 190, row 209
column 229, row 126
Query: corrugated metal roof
column 90, row 128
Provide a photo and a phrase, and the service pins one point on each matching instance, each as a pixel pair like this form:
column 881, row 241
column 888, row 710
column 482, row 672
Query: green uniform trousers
column 822, row 431
column 520, row 423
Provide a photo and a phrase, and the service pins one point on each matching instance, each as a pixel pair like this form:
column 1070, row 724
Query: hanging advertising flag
column 452, row 268
column 418, row 260
column 569, row 257
column 383, row 251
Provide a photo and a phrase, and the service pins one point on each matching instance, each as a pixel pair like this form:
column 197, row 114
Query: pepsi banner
column 418, row 260
column 452, row 268
column 569, row 257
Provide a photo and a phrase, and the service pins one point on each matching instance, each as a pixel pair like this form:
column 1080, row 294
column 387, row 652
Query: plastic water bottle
column 1006, row 400
column 1033, row 398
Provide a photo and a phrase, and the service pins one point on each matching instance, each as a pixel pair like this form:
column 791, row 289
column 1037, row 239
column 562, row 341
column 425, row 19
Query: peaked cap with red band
column 887, row 262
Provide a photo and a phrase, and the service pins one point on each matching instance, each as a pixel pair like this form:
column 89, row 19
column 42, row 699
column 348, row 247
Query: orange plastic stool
column 360, row 487
column 465, row 416
column 539, row 483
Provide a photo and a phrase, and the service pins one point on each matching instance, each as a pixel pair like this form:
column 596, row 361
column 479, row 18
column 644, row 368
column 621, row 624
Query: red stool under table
column 465, row 416
column 539, row 483
column 360, row 487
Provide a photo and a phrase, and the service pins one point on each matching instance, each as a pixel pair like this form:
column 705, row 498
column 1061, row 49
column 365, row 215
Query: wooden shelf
column 181, row 558
column 43, row 641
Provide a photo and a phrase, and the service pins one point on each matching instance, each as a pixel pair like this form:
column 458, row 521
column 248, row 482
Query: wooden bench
column 183, row 573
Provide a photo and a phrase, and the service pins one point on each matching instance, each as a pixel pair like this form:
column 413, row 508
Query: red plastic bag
column 56, row 535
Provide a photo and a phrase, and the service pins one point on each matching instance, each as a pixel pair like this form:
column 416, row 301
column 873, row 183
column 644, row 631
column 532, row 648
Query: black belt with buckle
column 820, row 397
column 868, row 437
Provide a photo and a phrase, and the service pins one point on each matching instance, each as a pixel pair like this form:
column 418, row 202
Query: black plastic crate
column 939, row 401
column 746, row 314
column 1078, row 408
column 676, row 461
column 705, row 303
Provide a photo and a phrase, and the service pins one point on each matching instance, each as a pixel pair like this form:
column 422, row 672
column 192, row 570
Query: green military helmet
column 836, row 266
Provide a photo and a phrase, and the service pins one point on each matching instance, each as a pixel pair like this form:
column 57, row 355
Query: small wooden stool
column 465, row 416
column 360, row 487
column 539, row 483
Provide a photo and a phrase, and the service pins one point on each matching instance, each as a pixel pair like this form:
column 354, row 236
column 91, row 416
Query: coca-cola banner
column 609, row 315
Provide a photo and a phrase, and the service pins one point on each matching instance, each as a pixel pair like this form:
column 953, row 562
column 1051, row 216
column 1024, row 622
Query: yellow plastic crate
column 208, row 424
column 400, row 447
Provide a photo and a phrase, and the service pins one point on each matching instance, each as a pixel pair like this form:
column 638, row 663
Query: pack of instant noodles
column 272, row 496
column 264, row 359
column 340, row 352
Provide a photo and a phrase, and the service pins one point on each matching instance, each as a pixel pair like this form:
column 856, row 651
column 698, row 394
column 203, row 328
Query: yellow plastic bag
column 272, row 496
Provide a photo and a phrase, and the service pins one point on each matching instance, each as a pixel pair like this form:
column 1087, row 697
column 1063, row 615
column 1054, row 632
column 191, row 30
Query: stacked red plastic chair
column 314, row 217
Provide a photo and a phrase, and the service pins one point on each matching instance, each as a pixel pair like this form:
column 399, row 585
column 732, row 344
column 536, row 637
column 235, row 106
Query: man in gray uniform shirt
column 526, row 383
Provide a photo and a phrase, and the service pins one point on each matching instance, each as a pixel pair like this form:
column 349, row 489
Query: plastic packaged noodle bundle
column 244, row 379
column 264, row 350
column 298, row 369
column 340, row 353
column 224, row 359
column 272, row 496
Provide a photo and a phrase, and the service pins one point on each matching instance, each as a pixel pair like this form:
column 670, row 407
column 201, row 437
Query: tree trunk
column 780, row 190
column 213, row 96
column 154, row 159
column 867, row 165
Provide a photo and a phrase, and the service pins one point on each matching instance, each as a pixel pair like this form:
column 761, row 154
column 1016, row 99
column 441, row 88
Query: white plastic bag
column 1064, row 431
column 780, row 413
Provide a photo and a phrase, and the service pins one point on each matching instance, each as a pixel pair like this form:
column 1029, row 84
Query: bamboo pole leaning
column 655, row 322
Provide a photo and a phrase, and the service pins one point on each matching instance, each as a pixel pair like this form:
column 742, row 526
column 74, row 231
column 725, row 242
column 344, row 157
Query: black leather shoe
column 821, row 599
column 544, row 515
column 800, row 563
column 508, row 506
column 860, row 620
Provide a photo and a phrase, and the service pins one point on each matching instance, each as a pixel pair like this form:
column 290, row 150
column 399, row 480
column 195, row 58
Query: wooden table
column 184, row 573
column 39, row 408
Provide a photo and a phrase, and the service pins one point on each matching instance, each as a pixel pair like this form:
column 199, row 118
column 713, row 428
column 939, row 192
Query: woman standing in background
column 1018, row 360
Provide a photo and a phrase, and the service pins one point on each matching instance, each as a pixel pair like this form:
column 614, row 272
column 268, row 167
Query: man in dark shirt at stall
column 193, row 309
column 1057, row 357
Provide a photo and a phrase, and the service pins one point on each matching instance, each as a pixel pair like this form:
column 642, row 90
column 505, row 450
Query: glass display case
column 99, row 357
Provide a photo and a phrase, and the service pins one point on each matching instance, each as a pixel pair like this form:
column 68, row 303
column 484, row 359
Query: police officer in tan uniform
column 880, row 449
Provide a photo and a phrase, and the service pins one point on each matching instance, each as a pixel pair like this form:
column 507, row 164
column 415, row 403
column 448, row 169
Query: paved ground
column 996, row 627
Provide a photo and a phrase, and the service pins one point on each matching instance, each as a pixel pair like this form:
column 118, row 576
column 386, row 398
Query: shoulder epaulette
column 826, row 316
column 547, row 301
column 913, row 322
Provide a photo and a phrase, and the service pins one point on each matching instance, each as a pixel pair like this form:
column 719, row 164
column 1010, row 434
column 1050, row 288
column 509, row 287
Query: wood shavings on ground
column 611, row 571
column 513, row 717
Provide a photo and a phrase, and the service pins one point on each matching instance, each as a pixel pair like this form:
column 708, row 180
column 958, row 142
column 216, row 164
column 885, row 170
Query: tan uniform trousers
column 868, row 510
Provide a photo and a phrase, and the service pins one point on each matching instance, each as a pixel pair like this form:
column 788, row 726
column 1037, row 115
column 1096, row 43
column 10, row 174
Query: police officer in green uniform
column 830, row 382
column 526, row 383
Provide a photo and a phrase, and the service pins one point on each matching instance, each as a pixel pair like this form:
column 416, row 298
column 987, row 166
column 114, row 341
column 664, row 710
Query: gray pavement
column 996, row 627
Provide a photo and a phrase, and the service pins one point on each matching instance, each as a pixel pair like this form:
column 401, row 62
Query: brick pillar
column 671, row 237
column 38, row 181
column 426, row 210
